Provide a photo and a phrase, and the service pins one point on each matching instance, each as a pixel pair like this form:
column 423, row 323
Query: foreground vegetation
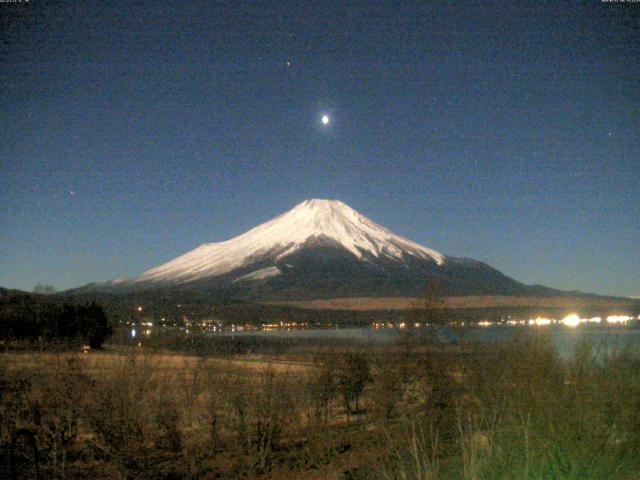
column 411, row 410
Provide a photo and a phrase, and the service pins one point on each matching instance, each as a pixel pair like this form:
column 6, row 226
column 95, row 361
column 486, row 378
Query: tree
column 86, row 322
column 30, row 317
column 393, row 374
column 353, row 376
column 321, row 388
column 429, row 306
column 44, row 289
column 96, row 328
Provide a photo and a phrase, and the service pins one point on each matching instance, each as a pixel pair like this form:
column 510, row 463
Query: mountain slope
column 319, row 249
column 311, row 222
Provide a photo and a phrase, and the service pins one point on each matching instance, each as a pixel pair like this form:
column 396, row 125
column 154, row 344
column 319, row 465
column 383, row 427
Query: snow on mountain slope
column 260, row 274
column 286, row 234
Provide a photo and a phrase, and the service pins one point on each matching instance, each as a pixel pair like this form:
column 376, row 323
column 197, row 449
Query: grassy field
column 98, row 363
column 470, row 301
column 410, row 410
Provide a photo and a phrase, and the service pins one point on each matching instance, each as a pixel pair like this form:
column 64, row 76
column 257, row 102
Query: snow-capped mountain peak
column 315, row 219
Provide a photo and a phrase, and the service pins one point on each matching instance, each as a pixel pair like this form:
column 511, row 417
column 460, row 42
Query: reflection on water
column 564, row 333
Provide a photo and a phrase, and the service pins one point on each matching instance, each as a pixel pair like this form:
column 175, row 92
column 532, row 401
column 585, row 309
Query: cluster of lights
column 540, row 321
column 619, row 318
column 283, row 326
column 378, row 325
column 210, row 325
column 572, row 320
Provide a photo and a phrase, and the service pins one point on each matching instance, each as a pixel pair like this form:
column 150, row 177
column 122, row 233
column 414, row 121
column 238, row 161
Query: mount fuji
column 320, row 249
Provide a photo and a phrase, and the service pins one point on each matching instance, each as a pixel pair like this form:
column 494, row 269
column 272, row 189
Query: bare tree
column 429, row 306
column 353, row 375
column 322, row 389
column 392, row 374
column 258, row 411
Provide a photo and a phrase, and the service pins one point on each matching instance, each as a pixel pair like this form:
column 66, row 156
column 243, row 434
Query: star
column 325, row 119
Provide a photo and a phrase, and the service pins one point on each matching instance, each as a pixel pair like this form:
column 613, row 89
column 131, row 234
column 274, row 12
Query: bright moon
column 325, row 119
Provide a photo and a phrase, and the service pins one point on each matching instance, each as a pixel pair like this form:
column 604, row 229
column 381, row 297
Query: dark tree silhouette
column 429, row 306
column 52, row 319
column 353, row 376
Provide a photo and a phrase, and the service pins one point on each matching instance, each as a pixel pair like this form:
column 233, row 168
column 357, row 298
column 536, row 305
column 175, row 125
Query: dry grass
column 99, row 363
column 141, row 411
column 513, row 410
column 472, row 301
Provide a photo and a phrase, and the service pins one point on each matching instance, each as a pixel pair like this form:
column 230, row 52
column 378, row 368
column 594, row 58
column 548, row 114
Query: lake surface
column 563, row 337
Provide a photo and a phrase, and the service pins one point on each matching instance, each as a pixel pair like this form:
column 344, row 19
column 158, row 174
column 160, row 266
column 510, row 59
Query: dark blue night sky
column 508, row 132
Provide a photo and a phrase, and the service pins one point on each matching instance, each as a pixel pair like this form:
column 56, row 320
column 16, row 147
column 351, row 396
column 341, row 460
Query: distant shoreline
column 472, row 301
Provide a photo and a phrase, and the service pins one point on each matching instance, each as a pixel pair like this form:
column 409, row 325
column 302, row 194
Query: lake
column 564, row 337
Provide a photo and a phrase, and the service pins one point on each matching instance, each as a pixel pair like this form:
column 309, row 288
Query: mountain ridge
column 312, row 221
column 320, row 249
